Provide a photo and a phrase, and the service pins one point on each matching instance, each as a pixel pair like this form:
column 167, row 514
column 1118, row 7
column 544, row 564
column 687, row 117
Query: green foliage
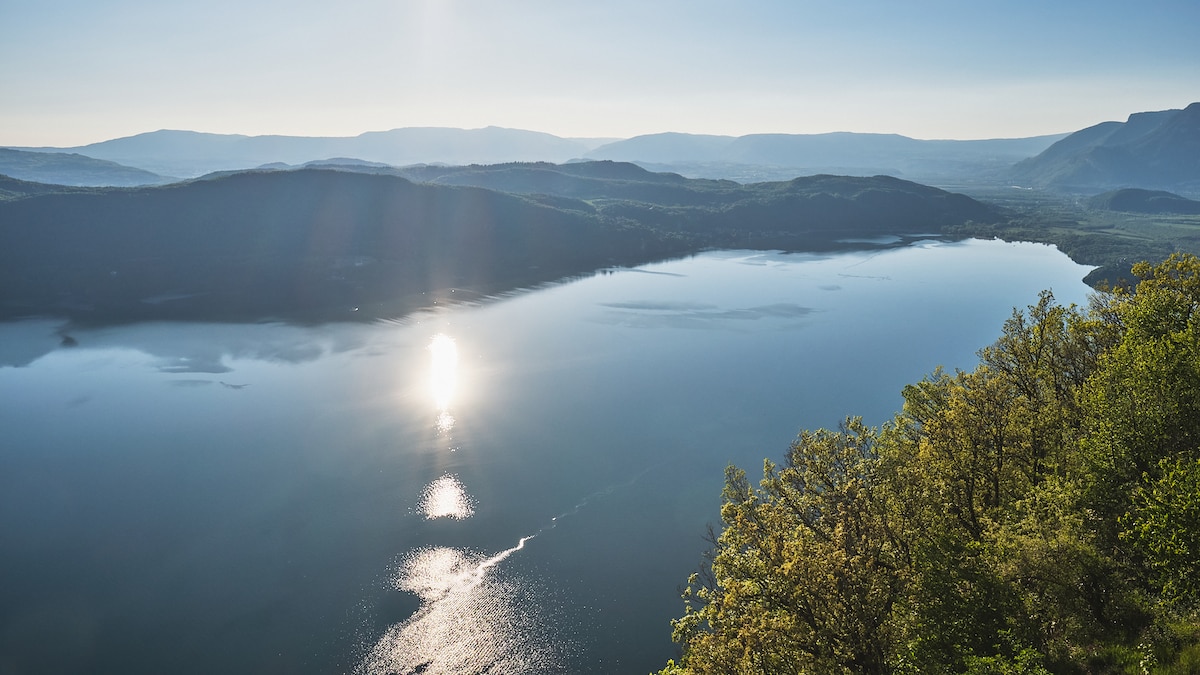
column 1164, row 524
column 1040, row 514
column 1144, row 402
column 807, row 568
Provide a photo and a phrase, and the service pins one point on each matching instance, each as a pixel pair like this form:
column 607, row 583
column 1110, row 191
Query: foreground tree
column 1040, row 514
column 806, row 570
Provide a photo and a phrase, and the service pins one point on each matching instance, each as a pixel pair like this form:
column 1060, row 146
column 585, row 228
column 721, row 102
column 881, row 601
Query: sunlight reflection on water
column 470, row 621
column 447, row 498
column 443, row 377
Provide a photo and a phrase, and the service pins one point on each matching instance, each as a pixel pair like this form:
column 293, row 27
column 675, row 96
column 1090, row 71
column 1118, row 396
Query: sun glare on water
column 443, row 378
column 447, row 498
column 470, row 620
column 474, row 616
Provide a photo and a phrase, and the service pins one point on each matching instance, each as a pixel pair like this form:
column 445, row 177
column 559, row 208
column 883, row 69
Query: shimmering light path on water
column 471, row 620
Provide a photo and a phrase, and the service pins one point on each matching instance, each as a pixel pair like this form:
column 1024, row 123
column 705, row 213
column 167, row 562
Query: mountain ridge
column 194, row 153
column 756, row 156
column 1151, row 150
column 73, row 169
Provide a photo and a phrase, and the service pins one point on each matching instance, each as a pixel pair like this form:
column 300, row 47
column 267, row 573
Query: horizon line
column 604, row 138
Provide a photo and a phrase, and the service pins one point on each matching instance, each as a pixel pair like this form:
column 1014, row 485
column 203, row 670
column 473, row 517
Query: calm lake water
column 515, row 486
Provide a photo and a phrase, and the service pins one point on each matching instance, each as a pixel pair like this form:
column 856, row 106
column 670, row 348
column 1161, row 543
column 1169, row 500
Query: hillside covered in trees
column 325, row 244
column 1039, row 514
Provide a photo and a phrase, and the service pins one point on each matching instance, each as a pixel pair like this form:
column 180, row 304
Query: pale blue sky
column 79, row 71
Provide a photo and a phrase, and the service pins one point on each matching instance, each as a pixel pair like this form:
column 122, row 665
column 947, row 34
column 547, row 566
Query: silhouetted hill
column 623, row 185
column 190, row 153
column 1150, row 150
column 1134, row 200
column 814, row 212
column 284, row 243
column 72, row 169
column 804, row 213
column 318, row 243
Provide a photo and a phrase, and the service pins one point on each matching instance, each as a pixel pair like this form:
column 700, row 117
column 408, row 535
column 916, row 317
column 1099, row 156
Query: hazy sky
column 78, row 71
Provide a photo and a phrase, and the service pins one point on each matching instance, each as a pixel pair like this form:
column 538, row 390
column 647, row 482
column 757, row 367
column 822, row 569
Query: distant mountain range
column 1152, row 150
column 1149, row 150
column 752, row 158
column 190, row 153
column 320, row 244
column 774, row 156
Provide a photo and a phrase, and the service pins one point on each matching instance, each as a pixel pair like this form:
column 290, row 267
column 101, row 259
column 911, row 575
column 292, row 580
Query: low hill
column 1154, row 150
column 1134, row 200
column 324, row 244
column 815, row 212
column 623, row 185
column 72, row 169
column 286, row 243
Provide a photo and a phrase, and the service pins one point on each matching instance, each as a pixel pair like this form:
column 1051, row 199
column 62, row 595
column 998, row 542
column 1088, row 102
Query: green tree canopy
column 1039, row 514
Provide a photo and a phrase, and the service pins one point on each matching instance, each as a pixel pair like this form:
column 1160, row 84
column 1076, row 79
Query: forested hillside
column 1040, row 514
column 335, row 244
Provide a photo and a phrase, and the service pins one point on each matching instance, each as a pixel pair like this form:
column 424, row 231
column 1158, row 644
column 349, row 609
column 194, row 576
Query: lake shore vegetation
column 1038, row 514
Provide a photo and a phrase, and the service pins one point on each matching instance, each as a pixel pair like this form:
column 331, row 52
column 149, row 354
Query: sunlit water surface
column 515, row 487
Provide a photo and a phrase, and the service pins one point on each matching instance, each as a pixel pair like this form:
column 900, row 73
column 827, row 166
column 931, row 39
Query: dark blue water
column 520, row 485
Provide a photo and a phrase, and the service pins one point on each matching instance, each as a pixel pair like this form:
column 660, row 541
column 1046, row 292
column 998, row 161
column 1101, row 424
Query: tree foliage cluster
column 1039, row 514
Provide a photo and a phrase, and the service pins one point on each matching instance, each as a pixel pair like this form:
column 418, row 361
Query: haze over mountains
column 189, row 153
column 766, row 156
column 68, row 168
column 1155, row 150
column 750, row 158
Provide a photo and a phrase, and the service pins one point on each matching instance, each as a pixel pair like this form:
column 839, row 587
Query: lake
column 518, row 485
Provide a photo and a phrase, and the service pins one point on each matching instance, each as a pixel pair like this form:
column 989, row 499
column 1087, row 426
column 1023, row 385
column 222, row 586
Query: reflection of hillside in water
column 202, row 348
